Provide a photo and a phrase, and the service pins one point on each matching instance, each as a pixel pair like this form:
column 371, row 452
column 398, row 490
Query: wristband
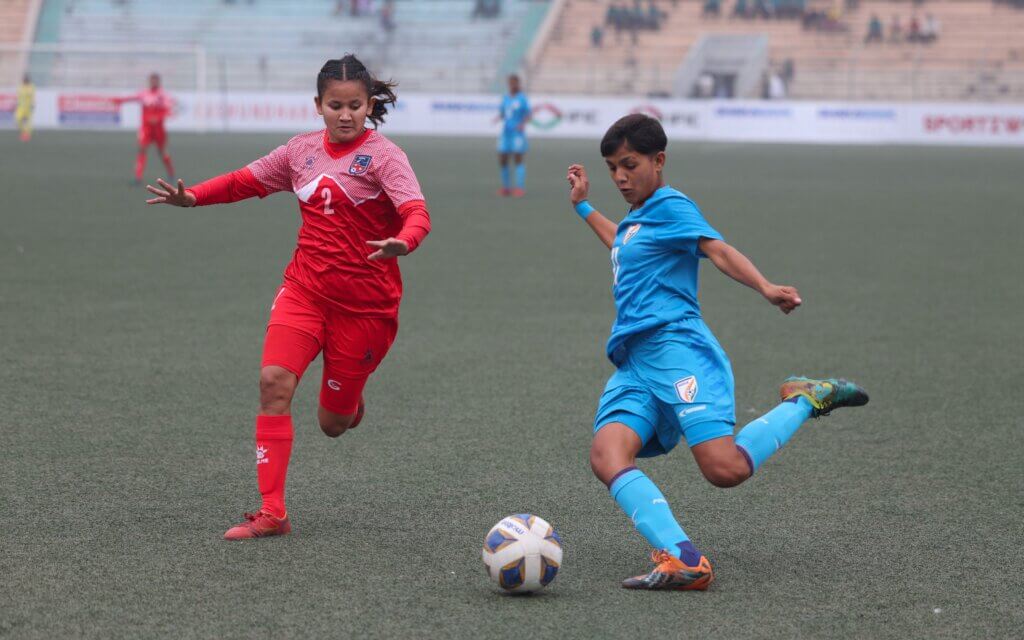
column 584, row 209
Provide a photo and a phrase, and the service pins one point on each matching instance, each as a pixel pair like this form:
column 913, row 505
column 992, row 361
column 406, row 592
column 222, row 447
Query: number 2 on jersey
column 325, row 193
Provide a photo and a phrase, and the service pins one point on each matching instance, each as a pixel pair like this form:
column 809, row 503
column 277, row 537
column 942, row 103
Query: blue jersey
column 655, row 259
column 514, row 111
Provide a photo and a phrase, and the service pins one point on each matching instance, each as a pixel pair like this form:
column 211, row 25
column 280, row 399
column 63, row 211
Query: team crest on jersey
column 632, row 231
column 359, row 165
column 309, row 162
column 686, row 388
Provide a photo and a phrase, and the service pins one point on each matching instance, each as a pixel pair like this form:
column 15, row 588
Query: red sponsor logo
column 256, row 111
column 987, row 125
column 87, row 104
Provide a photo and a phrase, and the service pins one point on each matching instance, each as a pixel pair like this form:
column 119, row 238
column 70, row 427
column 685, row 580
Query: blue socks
column 506, row 177
column 766, row 435
column 644, row 503
column 520, row 175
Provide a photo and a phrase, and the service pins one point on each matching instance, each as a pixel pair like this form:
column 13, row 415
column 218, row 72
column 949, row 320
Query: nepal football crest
column 359, row 165
column 686, row 388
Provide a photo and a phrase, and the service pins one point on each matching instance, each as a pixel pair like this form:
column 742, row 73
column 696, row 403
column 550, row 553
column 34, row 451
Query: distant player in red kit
column 361, row 208
column 156, row 106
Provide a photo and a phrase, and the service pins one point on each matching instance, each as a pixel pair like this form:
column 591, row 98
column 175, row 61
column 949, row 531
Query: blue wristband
column 584, row 209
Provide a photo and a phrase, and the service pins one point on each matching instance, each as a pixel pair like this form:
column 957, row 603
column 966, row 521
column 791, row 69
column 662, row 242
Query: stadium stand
column 261, row 44
column 979, row 53
column 17, row 20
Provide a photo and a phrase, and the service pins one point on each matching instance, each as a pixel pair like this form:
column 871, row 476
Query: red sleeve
column 273, row 171
column 396, row 177
column 132, row 98
column 415, row 223
column 230, row 187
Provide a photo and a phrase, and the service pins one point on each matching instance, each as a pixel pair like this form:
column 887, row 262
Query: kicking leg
column 802, row 398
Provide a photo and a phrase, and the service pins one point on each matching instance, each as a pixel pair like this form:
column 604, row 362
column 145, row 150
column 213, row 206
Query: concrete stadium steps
column 13, row 14
column 277, row 45
column 976, row 38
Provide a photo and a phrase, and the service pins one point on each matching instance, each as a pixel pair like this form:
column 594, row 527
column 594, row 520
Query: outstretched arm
column 602, row 226
column 739, row 267
column 230, row 187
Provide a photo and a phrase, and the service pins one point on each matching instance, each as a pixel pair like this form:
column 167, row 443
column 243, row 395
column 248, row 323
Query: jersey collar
column 341, row 150
column 659, row 194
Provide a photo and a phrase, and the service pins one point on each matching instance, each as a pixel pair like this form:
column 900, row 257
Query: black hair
column 641, row 132
column 350, row 67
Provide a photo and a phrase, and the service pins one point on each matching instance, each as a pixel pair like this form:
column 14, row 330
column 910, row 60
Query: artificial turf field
column 130, row 345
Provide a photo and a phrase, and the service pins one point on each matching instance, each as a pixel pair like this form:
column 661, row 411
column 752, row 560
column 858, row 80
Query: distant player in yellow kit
column 26, row 104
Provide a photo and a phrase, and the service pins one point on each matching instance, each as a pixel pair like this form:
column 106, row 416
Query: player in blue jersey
column 673, row 380
column 515, row 114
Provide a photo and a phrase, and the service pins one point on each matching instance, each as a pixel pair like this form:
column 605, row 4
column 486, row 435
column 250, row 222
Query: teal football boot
column 824, row 395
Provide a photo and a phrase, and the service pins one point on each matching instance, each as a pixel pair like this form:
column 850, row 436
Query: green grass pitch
column 129, row 353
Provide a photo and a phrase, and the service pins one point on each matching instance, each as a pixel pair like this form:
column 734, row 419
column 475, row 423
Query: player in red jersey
column 361, row 208
column 156, row 106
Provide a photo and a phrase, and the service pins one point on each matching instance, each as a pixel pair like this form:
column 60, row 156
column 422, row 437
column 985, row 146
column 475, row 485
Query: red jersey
column 156, row 106
column 348, row 194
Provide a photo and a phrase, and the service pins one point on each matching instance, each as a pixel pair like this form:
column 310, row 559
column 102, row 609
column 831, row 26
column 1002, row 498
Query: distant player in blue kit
column 672, row 378
column 515, row 114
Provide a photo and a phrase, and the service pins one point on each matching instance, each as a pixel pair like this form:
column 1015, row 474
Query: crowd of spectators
column 916, row 31
column 486, row 9
column 630, row 18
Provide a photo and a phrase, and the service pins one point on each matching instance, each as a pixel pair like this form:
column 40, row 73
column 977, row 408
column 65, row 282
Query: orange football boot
column 671, row 574
column 259, row 525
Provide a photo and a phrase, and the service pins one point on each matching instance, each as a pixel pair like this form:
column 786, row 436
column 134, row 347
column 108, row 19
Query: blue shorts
column 513, row 142
column 671, row 383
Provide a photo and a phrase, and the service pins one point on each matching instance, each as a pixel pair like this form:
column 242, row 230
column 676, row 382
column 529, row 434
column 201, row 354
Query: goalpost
column 103, row 69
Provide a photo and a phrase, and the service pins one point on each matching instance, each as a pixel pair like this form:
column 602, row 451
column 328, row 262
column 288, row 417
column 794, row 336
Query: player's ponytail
column 350, row 67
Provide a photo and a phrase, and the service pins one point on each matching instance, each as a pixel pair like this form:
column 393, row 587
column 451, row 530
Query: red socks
column 273, row 448
column 140, row 164
column 166, row 157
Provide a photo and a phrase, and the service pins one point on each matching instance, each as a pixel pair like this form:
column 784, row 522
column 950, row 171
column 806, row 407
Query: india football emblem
column 686, row 388
column 359, row 165
column 632, row 231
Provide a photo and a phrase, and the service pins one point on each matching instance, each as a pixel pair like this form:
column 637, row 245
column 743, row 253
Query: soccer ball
column 522, row 553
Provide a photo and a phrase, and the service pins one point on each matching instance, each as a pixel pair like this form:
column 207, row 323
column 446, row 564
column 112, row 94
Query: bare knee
column 277, row 386
column 334, row 424
column 612, row 451
column 726, row 475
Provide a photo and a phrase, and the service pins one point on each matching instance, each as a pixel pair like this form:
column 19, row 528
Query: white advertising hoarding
column 562, row 117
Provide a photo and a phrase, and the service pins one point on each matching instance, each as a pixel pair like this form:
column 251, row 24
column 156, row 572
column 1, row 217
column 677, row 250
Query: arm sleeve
column 397, row 179
column 415, row 223
column 273, row 171
column 687, row 229
column 230, row 187
column 132, row 98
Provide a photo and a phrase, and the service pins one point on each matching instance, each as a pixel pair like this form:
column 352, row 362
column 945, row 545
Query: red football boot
column 503, row 192
column 259, row 525
column 518, row 193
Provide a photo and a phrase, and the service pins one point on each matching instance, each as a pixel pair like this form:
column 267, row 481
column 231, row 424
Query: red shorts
column 152, row 133
column 301, row 326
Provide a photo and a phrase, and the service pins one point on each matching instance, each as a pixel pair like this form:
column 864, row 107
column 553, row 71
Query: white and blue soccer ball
column 522, row 553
